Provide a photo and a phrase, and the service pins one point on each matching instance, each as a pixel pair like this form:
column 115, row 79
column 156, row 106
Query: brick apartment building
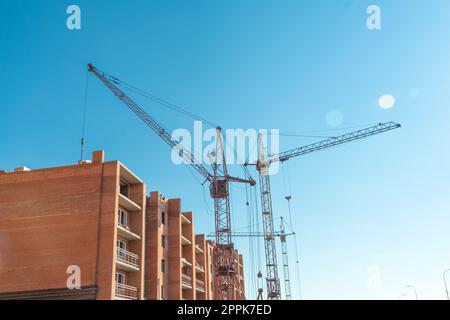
column 171, row 239
column 96, row 216
column 180, row 259
column 239, row 293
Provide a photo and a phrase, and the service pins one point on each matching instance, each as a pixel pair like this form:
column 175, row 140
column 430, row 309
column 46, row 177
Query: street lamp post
column 415, row 291
column 445, row 283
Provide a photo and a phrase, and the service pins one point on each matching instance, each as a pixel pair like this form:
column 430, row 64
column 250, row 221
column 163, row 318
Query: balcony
column 128, row 176
column 124, row 291
column 125, row 232
column 185, row 241
column 184, row 219
column 198, row 249
column 199, row 268
column 186, row 281
column 185, row 262
column 128, row 204
column 126, row 260
column 200, row 285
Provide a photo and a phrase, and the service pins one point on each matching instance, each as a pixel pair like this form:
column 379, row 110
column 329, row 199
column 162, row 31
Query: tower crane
column 218, row 179
column 262, row 166
column 276, row 234
column 283, row 239
column 284, row 252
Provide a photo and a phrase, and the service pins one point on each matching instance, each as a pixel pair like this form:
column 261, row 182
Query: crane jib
column 335, row 141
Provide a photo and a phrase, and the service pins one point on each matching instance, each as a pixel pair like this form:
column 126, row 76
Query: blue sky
column 258, row 64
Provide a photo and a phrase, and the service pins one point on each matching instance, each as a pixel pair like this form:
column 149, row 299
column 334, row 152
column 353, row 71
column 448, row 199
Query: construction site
column 134, row 245
column 224, row 151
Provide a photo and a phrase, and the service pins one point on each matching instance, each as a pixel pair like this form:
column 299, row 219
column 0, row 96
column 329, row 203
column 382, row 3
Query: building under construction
column 226, row 280
column 94, row 220
column 131, row 245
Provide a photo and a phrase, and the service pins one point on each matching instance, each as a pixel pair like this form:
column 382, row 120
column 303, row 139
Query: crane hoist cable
column 236, row 156
column 83, row 126
column 288, row 194
column 257, row 228
column 281, row 134
column 158, row 100
column 209, row 212
column 250, row 242
column 297, row 261
column 253, row 213
column 356, row 126
column 175, row 108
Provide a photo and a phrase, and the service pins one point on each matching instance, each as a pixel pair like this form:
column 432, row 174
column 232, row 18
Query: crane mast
column 219, row 188
column 224, row 257
column 272, row 280
column 283, row 239
column 262, row 166
column 284, row 252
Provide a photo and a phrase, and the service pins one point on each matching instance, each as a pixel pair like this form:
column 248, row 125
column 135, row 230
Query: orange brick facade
column 239, row 286
column 175, row 254
column 52, row 219
column 96, row 216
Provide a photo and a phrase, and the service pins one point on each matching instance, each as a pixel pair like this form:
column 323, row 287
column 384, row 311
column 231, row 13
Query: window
column 124, row 188
column 162, row 291
column 123, row 218
column 163, row 217
column 121, row 278
column 163, row 241
column 122, row 244
column 163, row 265
column 121, row 247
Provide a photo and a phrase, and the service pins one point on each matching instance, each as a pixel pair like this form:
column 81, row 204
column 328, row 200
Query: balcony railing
column 186, row 280
column 200, row 284
column 124, row 231
column 125, row 291
column 128, row 257
column 185, row 241
column 199, row 267
column 185, row 262
column 125, row 226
